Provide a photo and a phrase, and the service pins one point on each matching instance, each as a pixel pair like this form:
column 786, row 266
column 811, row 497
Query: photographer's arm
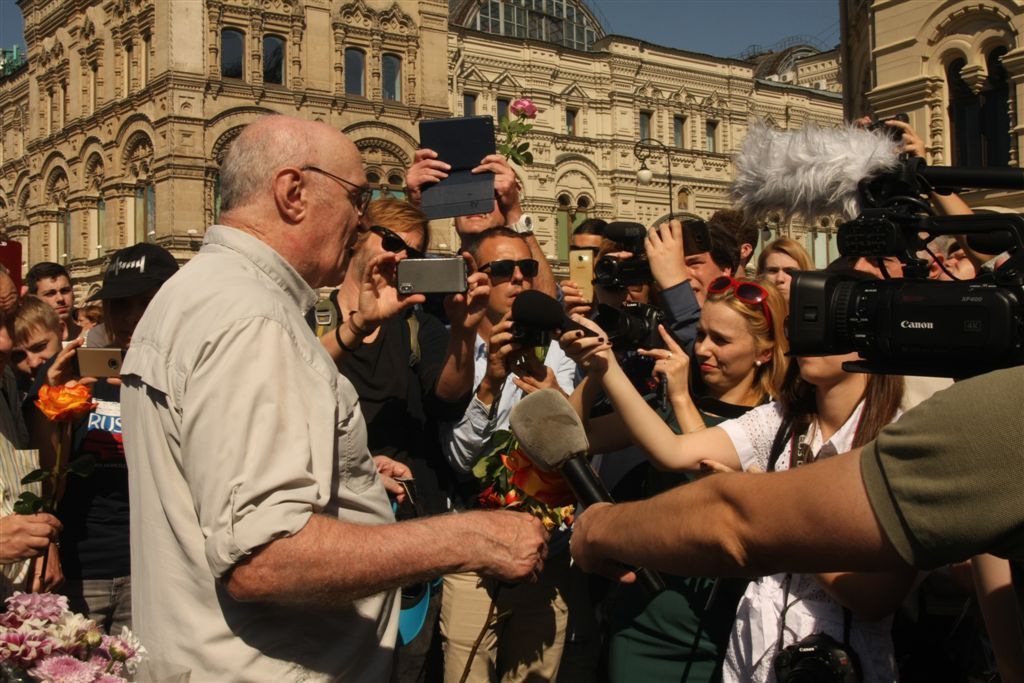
column 666, row 449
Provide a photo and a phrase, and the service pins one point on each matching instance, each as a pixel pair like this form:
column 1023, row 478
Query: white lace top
column 755, row 634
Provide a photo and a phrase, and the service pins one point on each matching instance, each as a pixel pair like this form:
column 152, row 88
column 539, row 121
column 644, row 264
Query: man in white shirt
column 263, row 546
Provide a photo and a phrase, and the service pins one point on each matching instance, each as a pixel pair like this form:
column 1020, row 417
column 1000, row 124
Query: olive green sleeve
column 947, row 480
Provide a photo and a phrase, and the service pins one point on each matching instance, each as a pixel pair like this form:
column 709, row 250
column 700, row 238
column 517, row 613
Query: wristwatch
column 524, row 226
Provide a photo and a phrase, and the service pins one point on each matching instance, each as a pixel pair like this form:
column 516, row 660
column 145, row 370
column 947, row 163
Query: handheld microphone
column 551, row 434
column 537, row 311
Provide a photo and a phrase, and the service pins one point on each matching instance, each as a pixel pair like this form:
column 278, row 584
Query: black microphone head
column 537, row 311
column 548, row 429
column 625, row 232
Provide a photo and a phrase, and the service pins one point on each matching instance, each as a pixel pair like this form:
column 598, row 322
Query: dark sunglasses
column 750, row 293
column 360, row 195
column 393, row 243
column 506, row 267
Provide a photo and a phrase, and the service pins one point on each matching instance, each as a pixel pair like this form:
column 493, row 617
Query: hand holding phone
column 100, row 362
column 432, row 275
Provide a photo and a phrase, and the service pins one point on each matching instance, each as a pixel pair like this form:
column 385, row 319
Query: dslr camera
column 818, row 658
column 634, row 326
column 912, row 325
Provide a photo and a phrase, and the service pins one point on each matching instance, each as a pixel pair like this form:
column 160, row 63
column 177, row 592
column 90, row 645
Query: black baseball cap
column 136, row 270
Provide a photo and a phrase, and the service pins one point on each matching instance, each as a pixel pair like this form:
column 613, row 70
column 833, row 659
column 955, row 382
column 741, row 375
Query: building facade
column 113, row 131
column 956, row 67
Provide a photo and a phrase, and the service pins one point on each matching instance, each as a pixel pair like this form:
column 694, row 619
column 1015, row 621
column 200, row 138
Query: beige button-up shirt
column 238, row 427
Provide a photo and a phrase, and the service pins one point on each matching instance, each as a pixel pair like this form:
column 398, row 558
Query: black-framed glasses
column 390, row 240
column 359, row 194
column 506, row 267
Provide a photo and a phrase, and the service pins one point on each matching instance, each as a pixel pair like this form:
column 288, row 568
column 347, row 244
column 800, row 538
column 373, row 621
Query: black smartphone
column 461, row 143
column 432, row 275
column 695, row 236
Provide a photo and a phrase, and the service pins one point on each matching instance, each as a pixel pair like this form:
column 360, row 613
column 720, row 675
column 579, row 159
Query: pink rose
column 523, row 107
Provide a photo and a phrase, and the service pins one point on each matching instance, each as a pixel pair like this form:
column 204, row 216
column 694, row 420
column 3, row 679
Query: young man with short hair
column 51, row 282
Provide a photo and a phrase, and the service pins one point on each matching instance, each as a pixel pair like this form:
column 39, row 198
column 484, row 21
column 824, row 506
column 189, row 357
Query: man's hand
column 390, row 471
column 515, row 544
column 426, row 169
column 62, row 370
column 506, row 186
column 665, row 253
column 573, row 301
column 378, row 294
column 466, row 310
column 584, row 552
column 501, row 352
column 25, row 536
column 54, row 577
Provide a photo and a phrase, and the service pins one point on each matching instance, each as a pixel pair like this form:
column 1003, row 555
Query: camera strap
column 786, row 604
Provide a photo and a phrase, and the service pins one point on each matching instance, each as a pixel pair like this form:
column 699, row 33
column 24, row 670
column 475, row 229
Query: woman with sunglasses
column 821, row 410
column 683, row 633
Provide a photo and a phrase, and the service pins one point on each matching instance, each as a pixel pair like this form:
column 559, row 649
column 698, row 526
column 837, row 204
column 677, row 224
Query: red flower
column 523, row 107
column 64, row 403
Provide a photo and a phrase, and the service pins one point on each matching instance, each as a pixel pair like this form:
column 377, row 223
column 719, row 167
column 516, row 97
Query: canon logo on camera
column 912, row 325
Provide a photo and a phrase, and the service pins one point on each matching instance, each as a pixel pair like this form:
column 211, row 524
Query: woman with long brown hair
column 822, row 410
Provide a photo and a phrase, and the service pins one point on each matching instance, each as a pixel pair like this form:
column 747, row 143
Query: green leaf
column 82, row 466
column 36, row 475
column 527, row 158
column 28, row 503
column 523, row 147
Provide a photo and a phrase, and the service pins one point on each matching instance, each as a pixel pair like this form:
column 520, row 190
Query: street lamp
column 643, row 150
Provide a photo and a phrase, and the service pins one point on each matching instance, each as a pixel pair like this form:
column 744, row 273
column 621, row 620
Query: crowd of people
column 256, row 448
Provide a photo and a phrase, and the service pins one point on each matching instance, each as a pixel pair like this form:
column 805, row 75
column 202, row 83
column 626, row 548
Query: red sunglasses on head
column 750, row 293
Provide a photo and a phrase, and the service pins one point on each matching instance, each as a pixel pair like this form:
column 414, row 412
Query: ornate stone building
column 954, row 66
column 114, row 130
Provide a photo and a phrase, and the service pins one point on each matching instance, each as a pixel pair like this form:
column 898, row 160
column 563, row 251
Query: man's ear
column 291, row 195
column 745, row 251
column 934, row 271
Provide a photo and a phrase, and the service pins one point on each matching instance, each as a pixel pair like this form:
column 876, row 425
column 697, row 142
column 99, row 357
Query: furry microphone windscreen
column 809, row 172
column 549, row 430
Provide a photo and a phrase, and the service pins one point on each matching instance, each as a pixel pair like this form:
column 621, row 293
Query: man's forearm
column 456, row 378
column 816, row 518
column 330, row 563
column 545, row 280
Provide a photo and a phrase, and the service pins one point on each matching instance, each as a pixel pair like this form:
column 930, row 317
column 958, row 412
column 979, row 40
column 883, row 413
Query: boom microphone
column 808, row 172
column 537, row 311
column 551, row 434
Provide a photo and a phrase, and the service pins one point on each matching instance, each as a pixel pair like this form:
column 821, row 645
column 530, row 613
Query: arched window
column 964, row 115
column 273, row 60
column 391, row 75
column 232, row 53
column 995, row 112
column 355, row 72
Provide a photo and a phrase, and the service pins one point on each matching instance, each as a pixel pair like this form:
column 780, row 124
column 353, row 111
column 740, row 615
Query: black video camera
column 613, row 272
column 634, row 326
column 912, row 325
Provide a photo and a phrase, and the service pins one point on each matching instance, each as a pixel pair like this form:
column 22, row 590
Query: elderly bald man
column 263, row 543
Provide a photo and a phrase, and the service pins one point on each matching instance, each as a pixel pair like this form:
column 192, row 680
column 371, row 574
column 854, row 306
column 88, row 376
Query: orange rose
column 549, row 488
column 64, row 403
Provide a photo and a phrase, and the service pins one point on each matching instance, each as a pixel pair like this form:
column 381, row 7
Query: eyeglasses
column 750, row 293
column 393, row 243
column 506, row 267
column 359, row 195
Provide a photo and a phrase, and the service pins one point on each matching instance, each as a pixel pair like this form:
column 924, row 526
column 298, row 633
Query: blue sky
column 718, row 27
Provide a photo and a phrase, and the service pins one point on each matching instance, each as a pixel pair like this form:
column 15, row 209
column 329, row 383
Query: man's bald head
column 274, row 142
